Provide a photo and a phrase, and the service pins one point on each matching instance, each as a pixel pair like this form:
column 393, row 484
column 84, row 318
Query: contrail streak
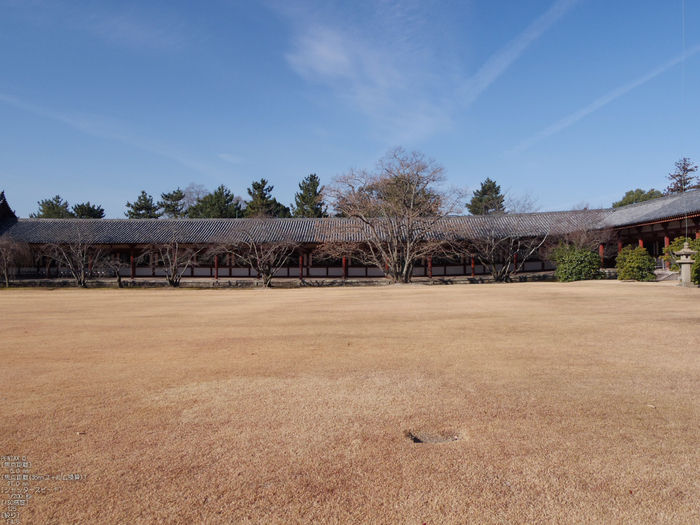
column 502, row 60
column 602, row 101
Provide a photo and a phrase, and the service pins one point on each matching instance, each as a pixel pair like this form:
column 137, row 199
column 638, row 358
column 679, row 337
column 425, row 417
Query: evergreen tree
column 638, row 195
column 487, row 199
column 308, row 200
column 143, row 208
column 220, row 204
column 262, row 203
column 88, row 211
column 173, row 204
column 681, row 179
column 55, row 208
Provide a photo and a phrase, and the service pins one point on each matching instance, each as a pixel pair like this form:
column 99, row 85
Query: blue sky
column 572, row 100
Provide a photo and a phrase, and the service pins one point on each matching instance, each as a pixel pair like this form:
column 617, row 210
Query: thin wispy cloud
column 388, row 64
column 380, row 65
column 131, row 30
column 111, row 129
column 233, row 159
column 503, row 59
column 129, row 27
column 602, row 101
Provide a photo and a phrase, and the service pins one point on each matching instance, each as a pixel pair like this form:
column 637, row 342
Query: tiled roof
column 200, row 231
column 5, row 210
column 655, row 210
column 528, row 224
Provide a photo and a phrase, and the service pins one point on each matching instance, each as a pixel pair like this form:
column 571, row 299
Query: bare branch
column 13, row 253
column 502, row 242
column 175, row 258
column 78, row 256
column 114, row 262
column 397, row 210
column 523, row 203
column 264, row 255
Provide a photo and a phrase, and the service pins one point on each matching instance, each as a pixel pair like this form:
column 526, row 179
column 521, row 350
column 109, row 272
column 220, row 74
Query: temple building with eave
column 652, row 224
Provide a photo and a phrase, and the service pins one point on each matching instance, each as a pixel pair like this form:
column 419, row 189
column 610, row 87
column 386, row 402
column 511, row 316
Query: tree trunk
column 266, row 279
column 406, row 274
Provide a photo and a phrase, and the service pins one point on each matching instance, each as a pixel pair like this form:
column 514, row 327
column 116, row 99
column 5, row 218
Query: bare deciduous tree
column 259, row 247
column 521, row 203
column 78, row 257
column 175, row 257
column 13, row 253
column 504, row 250
column 193, row 193
column 502, row 242
column 114, row 262
column 397, row 210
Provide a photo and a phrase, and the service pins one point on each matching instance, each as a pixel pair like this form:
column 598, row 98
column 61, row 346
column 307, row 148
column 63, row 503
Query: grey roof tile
column 201, row 231
column 655, row 210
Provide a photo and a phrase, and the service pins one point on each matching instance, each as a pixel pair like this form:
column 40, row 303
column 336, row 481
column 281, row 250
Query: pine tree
column 143, row 208
column 88, row 211
column 173, row 204
column 262, row 203
column 487, row 199
column 309, row 200
column 681, row 179
column 55, row 208
column 220, row 204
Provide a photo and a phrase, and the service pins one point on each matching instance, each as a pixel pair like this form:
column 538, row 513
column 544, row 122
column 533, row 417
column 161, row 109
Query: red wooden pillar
column 430, row 267
column 601, row 252
column 667, row 243
column 473, row 267
column 697, row 235
column 132, row 263
column 216, row 267
column 619, row 246
column 515, row 263
column 641, row 243
column 345, row 268
column 301, row 267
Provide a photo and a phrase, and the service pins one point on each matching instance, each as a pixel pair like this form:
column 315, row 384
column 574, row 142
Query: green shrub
column 635, row 264
column 677, row 244
column 576, row 264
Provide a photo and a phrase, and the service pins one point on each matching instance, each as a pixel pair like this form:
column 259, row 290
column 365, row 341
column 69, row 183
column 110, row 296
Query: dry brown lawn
column 571, row 403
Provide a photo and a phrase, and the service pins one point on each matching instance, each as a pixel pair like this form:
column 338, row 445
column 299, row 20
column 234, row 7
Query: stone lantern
column 686, row 263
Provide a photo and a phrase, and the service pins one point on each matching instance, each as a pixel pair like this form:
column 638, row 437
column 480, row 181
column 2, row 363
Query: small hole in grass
column 431, row 437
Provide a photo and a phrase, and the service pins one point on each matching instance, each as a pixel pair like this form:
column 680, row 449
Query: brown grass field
column 570, row 403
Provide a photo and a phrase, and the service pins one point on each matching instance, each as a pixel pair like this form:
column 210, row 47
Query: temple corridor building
column 651, row 224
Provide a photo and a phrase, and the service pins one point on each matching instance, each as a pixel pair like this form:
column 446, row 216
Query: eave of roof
column 654, row 211
column 311, row 231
